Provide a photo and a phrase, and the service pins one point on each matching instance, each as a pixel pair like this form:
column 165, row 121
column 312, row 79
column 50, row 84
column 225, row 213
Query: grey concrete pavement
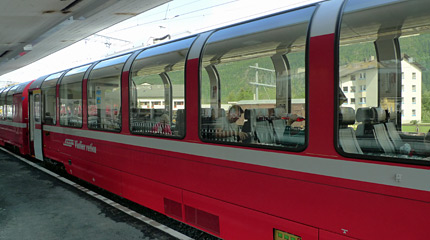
column 34, row 205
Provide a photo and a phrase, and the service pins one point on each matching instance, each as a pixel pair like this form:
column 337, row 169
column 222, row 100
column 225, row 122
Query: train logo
column 68, row 142
column 79, row 145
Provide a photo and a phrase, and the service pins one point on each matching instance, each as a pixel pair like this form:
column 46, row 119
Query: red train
column 202, row 128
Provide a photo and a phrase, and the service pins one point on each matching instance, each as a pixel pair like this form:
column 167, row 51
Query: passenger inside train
column 228, row 128
column 163, row 126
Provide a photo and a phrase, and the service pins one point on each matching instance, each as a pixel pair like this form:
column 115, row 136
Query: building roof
column 372, row 64
column 157, row 91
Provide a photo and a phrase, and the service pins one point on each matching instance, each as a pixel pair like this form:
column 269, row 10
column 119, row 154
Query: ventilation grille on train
column 173, row 208
column 202, row 219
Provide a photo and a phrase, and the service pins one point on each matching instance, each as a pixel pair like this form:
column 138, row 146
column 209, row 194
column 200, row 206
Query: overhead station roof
column 31, row 30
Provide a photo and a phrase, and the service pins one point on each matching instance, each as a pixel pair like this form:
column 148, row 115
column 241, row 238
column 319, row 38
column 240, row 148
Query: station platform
column 35, row 205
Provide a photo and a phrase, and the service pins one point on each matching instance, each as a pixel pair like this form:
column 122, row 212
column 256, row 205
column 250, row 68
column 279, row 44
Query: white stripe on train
column 412, row 178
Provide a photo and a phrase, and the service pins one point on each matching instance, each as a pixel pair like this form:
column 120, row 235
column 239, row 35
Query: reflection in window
column 104, row 95
column 11, row 108
column 253, row 82
column 3, row 103
column 71, row 97
column 157, row 86
column 1, row 106
column 396, row 103
column 49, row 101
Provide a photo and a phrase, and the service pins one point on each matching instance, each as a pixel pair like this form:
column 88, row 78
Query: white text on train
column 79, row 145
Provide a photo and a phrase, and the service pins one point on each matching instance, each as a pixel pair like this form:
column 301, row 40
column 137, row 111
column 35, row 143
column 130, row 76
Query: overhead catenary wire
column 176, row 16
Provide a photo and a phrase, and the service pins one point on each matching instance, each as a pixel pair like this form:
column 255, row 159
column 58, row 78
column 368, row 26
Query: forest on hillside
column 417, row 47
column 238, row 78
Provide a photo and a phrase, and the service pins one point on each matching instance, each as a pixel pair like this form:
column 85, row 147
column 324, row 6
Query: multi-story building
column 153, row 97
column 359, row 83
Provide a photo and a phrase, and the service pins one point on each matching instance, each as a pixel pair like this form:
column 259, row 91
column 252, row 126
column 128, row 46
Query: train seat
column 259, row 125
column 381, row 134
column 366, row 118
column 180, row 122
column 365, row 132
column 394, row 135
column 347, row 138
column 279, row 123
column 263, row 127
column 209, row 118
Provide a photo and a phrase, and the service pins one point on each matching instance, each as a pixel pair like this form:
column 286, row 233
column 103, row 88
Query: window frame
column 300, row 148
column 2, row 102
column 336, row 128
column 50, row 79
column 82, row 93
column 9, row 96
column 159, row 50
column 104, row 64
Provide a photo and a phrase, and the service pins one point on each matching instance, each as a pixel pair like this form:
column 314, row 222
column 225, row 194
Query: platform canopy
column 33, row 29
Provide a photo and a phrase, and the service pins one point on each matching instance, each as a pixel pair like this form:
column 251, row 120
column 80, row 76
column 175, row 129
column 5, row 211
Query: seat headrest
column 365, row 115
column 346, row 116
column 219, row 112
column 205, row 112
column 248, row 113
column 380, row 114
column 212, row 112
column 261, row 113
column 279, row 112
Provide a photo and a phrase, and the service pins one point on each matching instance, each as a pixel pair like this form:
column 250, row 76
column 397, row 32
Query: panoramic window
column 253, row 81
column 156, row 87
column 7, row 105
column 104, row 95
column 389, row 52
column 71, row 97
column 2, row 102
column 49, row 101
column 11, row 105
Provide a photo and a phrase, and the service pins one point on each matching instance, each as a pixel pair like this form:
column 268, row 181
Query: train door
column 36, row 124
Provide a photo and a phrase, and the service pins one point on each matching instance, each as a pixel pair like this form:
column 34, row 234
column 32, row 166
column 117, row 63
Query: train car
column 14, row 117
column 297, row 125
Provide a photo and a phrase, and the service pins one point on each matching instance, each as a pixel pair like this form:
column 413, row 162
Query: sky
column 177, row 18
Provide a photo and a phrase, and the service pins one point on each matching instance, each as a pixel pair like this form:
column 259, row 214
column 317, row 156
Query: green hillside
column 417, row 47
column 237, row 77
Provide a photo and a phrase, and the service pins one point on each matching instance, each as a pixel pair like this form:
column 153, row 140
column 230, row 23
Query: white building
column 153, row 96
column 359, row 83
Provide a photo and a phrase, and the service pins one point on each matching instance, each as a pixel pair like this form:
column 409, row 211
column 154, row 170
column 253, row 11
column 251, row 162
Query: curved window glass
column 49, row 93
column 11, row 105
column 157, row 93
column 104, row 94
column 71, row 97
column 253, row 82
column 384, row 62
column 2, row 103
